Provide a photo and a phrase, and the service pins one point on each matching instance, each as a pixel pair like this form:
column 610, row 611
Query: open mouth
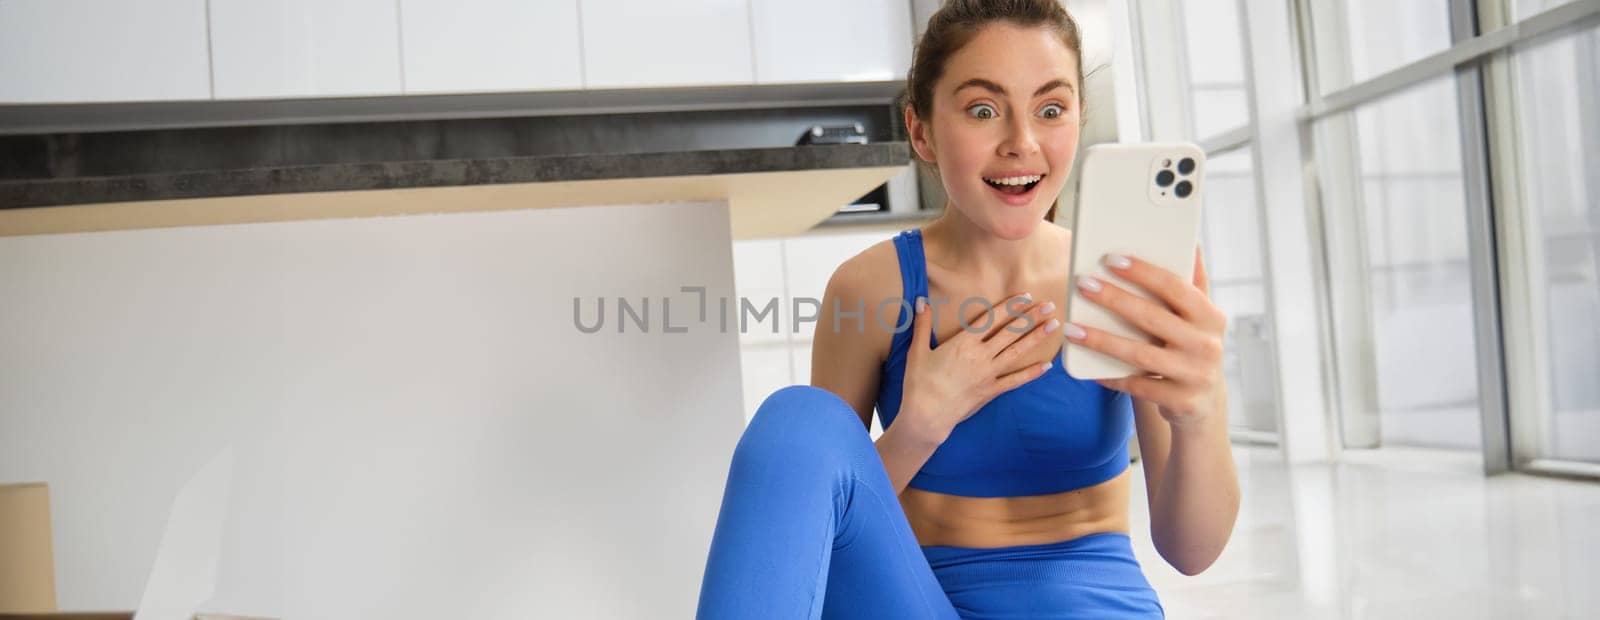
column 1014, row 186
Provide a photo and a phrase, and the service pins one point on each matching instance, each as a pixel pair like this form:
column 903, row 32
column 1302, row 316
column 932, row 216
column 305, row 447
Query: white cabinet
column 54, row 51
column 831, row 40
column 786, row 269
column 305, row 48
column 490, row 45
column 640, row 43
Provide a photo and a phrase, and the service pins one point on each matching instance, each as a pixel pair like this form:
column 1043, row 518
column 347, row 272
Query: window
column 1557, row 89
column 1524, row 8
column 1398, row 239
column 1231, row 239
column 1361, row 39
column 1215, row 67
column 1196, row 85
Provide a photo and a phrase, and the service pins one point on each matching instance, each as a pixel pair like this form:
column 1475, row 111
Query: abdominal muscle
column 939, row 519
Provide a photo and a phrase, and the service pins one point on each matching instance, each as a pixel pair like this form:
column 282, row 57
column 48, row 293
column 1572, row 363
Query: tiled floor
column 1393, row 533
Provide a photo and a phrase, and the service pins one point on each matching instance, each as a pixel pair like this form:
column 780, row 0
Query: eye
column 978, row 111
column 1058, row 108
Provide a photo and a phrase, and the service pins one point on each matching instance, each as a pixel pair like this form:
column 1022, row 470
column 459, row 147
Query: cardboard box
column 27, row 557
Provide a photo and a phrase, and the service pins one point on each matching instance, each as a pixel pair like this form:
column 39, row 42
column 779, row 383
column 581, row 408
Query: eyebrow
column 997, row 89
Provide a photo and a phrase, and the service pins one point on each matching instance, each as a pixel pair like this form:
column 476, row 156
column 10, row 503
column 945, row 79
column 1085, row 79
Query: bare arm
column 1181, row 409
column 849, row 362
column 1191, row 484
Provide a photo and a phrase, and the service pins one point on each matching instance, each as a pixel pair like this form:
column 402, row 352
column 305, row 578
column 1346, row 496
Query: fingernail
column 1048, row 307
column 1047, row 366
column 1027, row 297
column 1074, row 332
column 1051, row 326
column 922, row 303
column 1088, row 283
column 1118, row 261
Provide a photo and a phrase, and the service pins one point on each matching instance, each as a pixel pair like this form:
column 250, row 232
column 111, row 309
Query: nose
column 1020, row 140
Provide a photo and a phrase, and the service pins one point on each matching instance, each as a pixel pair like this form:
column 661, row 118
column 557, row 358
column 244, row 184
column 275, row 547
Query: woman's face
column 1006, row 111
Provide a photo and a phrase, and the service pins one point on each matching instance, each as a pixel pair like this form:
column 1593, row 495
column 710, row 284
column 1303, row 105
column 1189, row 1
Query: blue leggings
column 810, row 527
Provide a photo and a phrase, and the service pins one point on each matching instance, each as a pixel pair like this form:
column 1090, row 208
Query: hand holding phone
column 1149, row 328
column 1135, row 201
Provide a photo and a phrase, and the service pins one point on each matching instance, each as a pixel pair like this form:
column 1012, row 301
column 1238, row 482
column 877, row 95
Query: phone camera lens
column 1164, row 178
column 1183, row 189
column 1185, row 166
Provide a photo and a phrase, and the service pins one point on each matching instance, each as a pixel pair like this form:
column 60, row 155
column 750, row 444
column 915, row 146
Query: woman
column 1012, row 478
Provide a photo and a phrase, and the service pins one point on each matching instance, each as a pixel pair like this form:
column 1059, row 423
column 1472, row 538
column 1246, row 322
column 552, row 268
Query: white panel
column 758, row 275
column 305, row 48
column 630, row 43
column 831, row 40
column 59, row 51
column 420, row 429
column 490, row 45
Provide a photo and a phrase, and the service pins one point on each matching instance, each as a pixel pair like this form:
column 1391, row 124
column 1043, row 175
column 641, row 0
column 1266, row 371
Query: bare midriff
column 939, row 519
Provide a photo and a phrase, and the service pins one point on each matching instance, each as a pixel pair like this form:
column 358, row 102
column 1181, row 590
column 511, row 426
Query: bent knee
column 808, row 405
column 806, row 414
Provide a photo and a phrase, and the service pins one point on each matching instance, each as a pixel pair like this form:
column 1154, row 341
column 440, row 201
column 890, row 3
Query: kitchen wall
column 404, row 378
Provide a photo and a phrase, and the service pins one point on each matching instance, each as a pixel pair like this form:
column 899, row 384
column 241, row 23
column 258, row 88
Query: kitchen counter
column 771, row 191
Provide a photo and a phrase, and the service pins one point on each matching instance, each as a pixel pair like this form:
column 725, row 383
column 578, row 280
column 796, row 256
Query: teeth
column 1015, row 180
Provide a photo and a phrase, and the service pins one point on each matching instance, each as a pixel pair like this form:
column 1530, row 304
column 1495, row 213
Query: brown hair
column 957, row 22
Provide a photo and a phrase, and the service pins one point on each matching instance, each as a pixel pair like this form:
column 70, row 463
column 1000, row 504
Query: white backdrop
column 420, row 429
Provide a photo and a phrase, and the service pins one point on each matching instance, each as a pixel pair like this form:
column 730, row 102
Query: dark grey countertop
column 341, row 176
column 90, row 164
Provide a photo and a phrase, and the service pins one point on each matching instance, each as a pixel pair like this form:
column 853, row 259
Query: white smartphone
column 1140, row 200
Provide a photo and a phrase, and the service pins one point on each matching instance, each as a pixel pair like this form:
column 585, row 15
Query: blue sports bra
column 1050, row 435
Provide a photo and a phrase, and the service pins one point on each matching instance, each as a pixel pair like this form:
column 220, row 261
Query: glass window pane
column 1524, row 8
column 1215, row 66
column 1231, row 240
column 1417, row 279
column 1558, row 99
column 1360, row 39
column 1218, row 109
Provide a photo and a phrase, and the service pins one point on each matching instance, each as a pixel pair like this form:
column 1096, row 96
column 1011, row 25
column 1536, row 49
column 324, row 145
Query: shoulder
column 869, row 280
column 875, row 270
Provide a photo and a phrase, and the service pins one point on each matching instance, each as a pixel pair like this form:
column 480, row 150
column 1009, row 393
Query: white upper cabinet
column 54, row 51
column 831, row 40
column 305, row 48
column 86, row 51
column 640, row 43
column 490, row 45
